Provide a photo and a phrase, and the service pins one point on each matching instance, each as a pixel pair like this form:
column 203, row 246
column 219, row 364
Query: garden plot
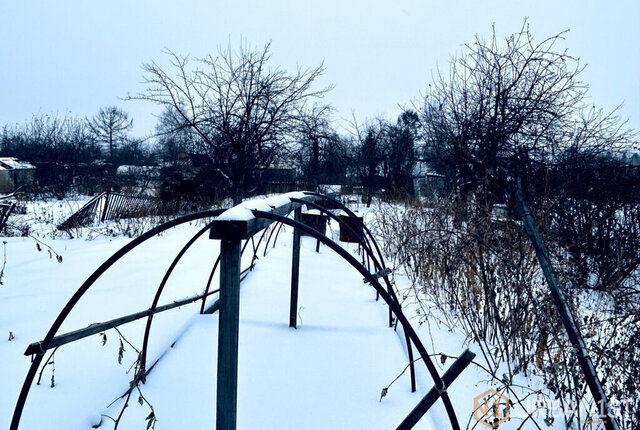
column 328, row 373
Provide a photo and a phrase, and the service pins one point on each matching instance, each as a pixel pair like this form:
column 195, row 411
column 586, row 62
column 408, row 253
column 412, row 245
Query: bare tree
column 519, row 109
column 505, row 108
column 174, row 136
column 314, row 142
column 244, row 111
column 109, row 126
column 56, row 145
column 371, row 140
column 400, row 160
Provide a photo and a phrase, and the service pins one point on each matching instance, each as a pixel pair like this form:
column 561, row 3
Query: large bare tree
column 315, row 137
column 518, row 109
column 506, row 106
column 244, row 111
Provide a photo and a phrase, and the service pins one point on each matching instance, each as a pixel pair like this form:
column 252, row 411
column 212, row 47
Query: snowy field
column 327, row 374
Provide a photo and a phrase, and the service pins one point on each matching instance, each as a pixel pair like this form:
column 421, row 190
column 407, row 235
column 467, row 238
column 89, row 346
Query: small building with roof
column 16, row 174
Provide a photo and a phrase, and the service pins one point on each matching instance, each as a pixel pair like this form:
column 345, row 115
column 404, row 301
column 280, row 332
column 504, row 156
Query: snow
column 328, row 373
column 124, row 170
column 242, row 212
column 330, row 189
column 11, row 163
column 43, row 216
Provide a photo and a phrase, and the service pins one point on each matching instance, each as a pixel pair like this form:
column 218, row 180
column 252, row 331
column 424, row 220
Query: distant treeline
column 233, row 125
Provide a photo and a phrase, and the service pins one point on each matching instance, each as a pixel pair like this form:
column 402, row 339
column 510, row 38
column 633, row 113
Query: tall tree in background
column 400, row 160
column 504, row 109
column 56, row 145
column 314, row 138
column 110, row 126
column 244, row 111
column 518, row 109
column 371, row 141
column 174, row 136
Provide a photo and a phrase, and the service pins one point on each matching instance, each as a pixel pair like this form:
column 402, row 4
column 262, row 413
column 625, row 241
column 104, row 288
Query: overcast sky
column 76, row 56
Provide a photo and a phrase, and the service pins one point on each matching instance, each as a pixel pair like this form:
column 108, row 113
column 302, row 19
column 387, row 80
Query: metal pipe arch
column 156, row 299
column 37, row 360
column 397, row 310
column 378, row 264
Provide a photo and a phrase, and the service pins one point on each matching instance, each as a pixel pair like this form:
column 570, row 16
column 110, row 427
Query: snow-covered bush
column 481, row 277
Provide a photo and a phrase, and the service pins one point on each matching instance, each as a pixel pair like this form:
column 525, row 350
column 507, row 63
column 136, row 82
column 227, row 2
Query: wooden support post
column 295, row 272
column 227, row 393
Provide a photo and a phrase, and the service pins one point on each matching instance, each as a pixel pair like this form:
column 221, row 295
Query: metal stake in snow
column 590, row 375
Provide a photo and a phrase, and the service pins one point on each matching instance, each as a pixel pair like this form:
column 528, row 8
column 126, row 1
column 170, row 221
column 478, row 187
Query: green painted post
column 227, row 393
column 295, row 272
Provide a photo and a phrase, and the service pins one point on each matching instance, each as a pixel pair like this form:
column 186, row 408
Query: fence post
column 106, row 205
column 295, row 272
column 227, row 390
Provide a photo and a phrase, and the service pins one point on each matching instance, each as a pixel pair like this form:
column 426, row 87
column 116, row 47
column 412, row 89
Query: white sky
column 63, row 55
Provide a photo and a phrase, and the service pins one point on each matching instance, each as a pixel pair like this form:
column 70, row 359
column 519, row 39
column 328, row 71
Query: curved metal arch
column 370, row 239
column 256, row 247
column 275, row 239
column 395, row 307
column 266, row 244
column 352, row 216
column 361, row 240
column 156, row 298
column 215, row 266
column 53, row 330
column 379, row 265
column 206, row 289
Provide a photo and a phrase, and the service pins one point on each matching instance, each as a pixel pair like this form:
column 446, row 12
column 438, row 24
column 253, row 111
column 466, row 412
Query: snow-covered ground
column 328, row 373
column 42, row 216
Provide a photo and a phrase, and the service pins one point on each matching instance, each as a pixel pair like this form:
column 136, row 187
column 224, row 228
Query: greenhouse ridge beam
column 236, row 229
